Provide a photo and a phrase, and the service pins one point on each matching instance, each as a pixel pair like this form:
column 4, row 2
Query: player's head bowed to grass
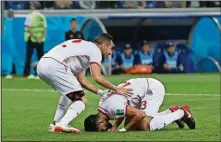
column 140, row 110
column 138, row 121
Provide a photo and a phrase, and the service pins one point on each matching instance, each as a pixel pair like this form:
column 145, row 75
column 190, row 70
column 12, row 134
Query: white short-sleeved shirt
column 139, row 87
column 144, row 89
column 114, row 106
column 76, row 53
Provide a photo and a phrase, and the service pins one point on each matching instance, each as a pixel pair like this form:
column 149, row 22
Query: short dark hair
column 90, row 123
column 73, row 19
column 144, row 42
column 102, row 38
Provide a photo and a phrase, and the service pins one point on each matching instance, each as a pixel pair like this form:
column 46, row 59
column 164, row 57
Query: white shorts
column 58, row 76
column 152, row 101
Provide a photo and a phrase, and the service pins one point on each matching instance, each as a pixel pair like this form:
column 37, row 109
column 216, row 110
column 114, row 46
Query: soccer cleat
column 31, row 76
column 8, row 76
column 179, row 122
column 187, row 118
column 51, row 128
column 174, row 108
column 37, row 77
column 68, row 129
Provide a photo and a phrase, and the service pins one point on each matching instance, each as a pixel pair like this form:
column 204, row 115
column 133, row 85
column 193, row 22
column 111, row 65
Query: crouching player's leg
column 159, row 122
column 78, row 105
column 61, row 79
column 63, row 104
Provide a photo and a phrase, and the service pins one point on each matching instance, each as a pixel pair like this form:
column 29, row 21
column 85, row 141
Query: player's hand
column 113, row 130
column 124, row 91
column 38, row 40
column 122, row 130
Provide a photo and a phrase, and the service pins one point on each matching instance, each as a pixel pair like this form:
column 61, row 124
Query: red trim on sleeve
column 100, row 109
column 95, row 63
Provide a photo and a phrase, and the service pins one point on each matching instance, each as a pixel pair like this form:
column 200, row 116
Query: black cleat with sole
column 180, row 123
column 190, row 122
column 187, row 118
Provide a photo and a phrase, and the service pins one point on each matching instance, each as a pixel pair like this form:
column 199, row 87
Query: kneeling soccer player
column 148, row 95
column 116, row 107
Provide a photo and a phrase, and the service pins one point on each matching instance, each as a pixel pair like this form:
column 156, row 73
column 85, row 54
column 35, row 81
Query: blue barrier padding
column 14, row 47
column 206, row 40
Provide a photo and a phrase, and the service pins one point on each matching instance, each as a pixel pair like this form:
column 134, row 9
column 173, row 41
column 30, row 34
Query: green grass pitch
column 28, row 107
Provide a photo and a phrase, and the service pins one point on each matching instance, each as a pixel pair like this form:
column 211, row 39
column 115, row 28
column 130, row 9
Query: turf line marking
column 52, row 91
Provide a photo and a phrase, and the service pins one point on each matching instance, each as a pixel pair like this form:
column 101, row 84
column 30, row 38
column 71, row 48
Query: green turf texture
column 26, row 115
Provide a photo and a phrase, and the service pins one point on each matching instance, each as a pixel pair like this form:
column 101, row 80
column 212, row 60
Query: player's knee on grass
column 127, row 120
column 156, row 124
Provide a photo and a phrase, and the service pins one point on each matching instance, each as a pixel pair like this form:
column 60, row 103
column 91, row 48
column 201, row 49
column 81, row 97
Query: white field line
column 52, row 91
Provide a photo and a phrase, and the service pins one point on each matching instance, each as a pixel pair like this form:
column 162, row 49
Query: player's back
column 76, row 54
column 70, row 48
column 139, row 87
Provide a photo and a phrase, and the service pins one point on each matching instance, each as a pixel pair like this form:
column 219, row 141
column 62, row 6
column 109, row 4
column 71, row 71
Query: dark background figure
column 144, row 56
column 73, row 33
column 126, row 60
column 170, row 61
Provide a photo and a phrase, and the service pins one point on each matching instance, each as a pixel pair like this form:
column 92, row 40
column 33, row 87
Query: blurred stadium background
column 192, row 27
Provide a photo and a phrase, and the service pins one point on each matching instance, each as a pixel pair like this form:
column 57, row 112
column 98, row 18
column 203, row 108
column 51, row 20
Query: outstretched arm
column 97, row 77
column 117, row 124
column 136, row 116
column 86, row 84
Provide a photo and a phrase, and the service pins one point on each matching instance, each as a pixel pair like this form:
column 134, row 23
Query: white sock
column 73, row 111
column 160, row 122
column 63, row 104
column 168, row 111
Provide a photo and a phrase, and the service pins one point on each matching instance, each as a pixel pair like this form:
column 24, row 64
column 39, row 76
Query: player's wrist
column 115, row 88
column 100, row 92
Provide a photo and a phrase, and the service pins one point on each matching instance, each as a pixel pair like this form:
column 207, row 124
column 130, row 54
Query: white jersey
column 115, row 108
column 76, row 54
column 140, row 89
column 147, row 96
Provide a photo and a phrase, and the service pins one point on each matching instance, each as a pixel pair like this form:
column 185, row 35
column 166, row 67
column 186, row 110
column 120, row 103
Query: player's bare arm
column 136, row 116
column 143, row 125
column 86, row 84
column 117, row 124
column 97, row 77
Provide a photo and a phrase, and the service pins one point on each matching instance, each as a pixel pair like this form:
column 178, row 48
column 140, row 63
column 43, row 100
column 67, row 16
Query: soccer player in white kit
column 148, row 94
column 63, row 68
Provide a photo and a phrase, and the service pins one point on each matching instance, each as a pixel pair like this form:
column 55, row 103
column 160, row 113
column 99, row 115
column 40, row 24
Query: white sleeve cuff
column 100, row 92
